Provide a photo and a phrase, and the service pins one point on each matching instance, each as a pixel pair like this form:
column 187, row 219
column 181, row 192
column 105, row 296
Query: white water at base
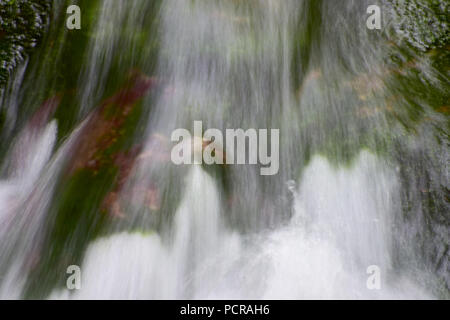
column 32, row 169
column 342, row 224
column 27, row 161
column 141, row 266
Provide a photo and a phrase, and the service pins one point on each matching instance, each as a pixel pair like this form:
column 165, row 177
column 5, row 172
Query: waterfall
column 361, row 190
column 25, row 198
column 145, row 266
column 341, row 226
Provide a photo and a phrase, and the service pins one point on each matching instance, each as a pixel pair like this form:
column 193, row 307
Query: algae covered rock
column 424, row 24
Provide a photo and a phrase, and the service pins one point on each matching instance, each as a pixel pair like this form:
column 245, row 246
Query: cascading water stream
column 306, row 259
column 25, row 197
column 335, row 209
column 342, row 220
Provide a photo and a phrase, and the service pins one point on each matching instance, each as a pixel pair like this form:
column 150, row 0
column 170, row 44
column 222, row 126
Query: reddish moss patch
column 104, row 126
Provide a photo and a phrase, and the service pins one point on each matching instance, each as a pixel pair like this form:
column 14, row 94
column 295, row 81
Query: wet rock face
column 423, row 24
column 22, row 24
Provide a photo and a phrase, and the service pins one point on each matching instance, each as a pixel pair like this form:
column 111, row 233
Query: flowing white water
column 139, row 266
column 25, row 197
column 231, row 65
column 29, row 157
column 341, row 227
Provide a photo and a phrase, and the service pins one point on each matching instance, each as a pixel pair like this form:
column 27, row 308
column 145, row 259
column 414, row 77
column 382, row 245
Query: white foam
column 342, row 225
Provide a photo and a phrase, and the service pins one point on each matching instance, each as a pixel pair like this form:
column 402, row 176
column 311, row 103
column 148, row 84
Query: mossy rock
column 22, row 24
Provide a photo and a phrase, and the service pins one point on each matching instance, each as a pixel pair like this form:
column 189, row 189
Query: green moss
column 306, row 40
column 2, row 119
column 65, row 65
column 78, row 215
